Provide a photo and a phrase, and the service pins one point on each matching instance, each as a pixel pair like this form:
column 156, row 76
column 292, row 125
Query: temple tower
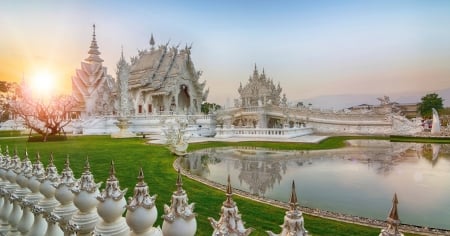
column 393, row 221
column 179, row 218
column 293, row 220
column 92, row 87
column 230, row 222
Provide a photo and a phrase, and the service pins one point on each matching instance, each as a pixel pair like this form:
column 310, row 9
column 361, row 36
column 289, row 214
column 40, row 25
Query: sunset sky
column 312, row 48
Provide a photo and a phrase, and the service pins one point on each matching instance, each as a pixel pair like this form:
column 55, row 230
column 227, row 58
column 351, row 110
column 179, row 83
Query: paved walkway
column 156, row 139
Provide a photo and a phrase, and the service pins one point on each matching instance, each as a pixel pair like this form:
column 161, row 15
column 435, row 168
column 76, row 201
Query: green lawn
column 131, row 154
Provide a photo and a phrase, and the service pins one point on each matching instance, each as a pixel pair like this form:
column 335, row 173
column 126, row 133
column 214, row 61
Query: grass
column 10, row 133
column 398, row 138
column 131, row 154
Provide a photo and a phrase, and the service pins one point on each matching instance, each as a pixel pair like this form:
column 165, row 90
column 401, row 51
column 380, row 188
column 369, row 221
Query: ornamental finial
column 229, row 202
column 112, row 171
column 67, row 162
column 38, row 157
column 179, row 182
column 87, row 166
column 293, row 199
column 50, row 161
column 141, row 176
column 393, row 214
column 93, row 30
column 152, row 41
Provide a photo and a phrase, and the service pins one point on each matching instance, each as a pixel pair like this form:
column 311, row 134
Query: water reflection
column 331, row 177
column 261, row 168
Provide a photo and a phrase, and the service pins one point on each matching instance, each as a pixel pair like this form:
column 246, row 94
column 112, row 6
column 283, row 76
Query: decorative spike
column 179, row 182
column 7, row 150
column 38, row 157
column 93, row 31
column 112, row 171
column 141, row 176
column 26, row 153
column 229, row 202
column 293, row 199
column 87, row 166
column 50, row 161
column 152, row 41
column 393, row 214
column 67, row 162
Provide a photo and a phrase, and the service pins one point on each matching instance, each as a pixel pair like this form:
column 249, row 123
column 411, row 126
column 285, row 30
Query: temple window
column 140, row 109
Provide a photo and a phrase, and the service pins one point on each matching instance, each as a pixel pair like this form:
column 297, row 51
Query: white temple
column 159, row 83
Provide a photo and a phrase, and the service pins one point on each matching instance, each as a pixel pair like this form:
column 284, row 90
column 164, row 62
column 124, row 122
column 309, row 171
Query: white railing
column 262, row 132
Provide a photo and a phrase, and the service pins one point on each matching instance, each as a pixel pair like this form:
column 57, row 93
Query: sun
column 43, row 83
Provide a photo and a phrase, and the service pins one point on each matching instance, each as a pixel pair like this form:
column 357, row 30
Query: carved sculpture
column 65, row 197
column 85, row 200
column 110, row 208
column 141, row 211
column 293, row 220
column 179, row 217
column 436, row 124
column 230, row 222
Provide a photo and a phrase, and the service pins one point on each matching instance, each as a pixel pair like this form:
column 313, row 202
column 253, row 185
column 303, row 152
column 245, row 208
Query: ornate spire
column 112, row 188
column 93, row 50
column 179, row 184
column 230, row 222
column 293, row 220
column 393, row 221
column 86, row 181
column 66, row 177
column 152, row 41
column 51, row 172
column 293, row 199
column 393, row 214
column 38, row 168
column 229, row 202
column 141, row 197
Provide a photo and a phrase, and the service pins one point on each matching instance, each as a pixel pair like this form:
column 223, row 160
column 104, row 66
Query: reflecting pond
column 359, row 179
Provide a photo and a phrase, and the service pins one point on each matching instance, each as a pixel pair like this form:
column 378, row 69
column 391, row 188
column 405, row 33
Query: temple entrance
column 184, row 101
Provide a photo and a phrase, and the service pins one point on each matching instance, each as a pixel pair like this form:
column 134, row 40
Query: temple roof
column 154, row 68
column 94, row 53
column 259, row 86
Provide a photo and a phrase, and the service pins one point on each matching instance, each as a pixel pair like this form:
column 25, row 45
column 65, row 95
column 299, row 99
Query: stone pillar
column 85, row 200
column 27, row 219
column 179, row 218
column 230, row 222
column 293, row 224
column 110, row 208
column 64, row 195
column 141, row 211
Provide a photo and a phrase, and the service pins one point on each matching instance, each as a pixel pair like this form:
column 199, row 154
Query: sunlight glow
column 43, row 83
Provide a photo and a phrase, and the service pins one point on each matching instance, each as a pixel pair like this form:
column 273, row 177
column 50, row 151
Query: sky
column 312, row 48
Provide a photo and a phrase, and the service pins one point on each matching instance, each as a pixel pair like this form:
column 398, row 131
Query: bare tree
column 45, row 117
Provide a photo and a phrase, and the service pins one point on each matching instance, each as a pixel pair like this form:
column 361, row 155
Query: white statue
column 436, row 124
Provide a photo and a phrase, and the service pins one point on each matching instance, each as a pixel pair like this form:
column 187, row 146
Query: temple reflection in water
column 371, row 169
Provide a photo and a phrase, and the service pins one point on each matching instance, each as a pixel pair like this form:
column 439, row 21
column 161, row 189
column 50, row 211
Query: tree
column 429, row 101
column 47, row 118
column 209, row 107
column 8, row 91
